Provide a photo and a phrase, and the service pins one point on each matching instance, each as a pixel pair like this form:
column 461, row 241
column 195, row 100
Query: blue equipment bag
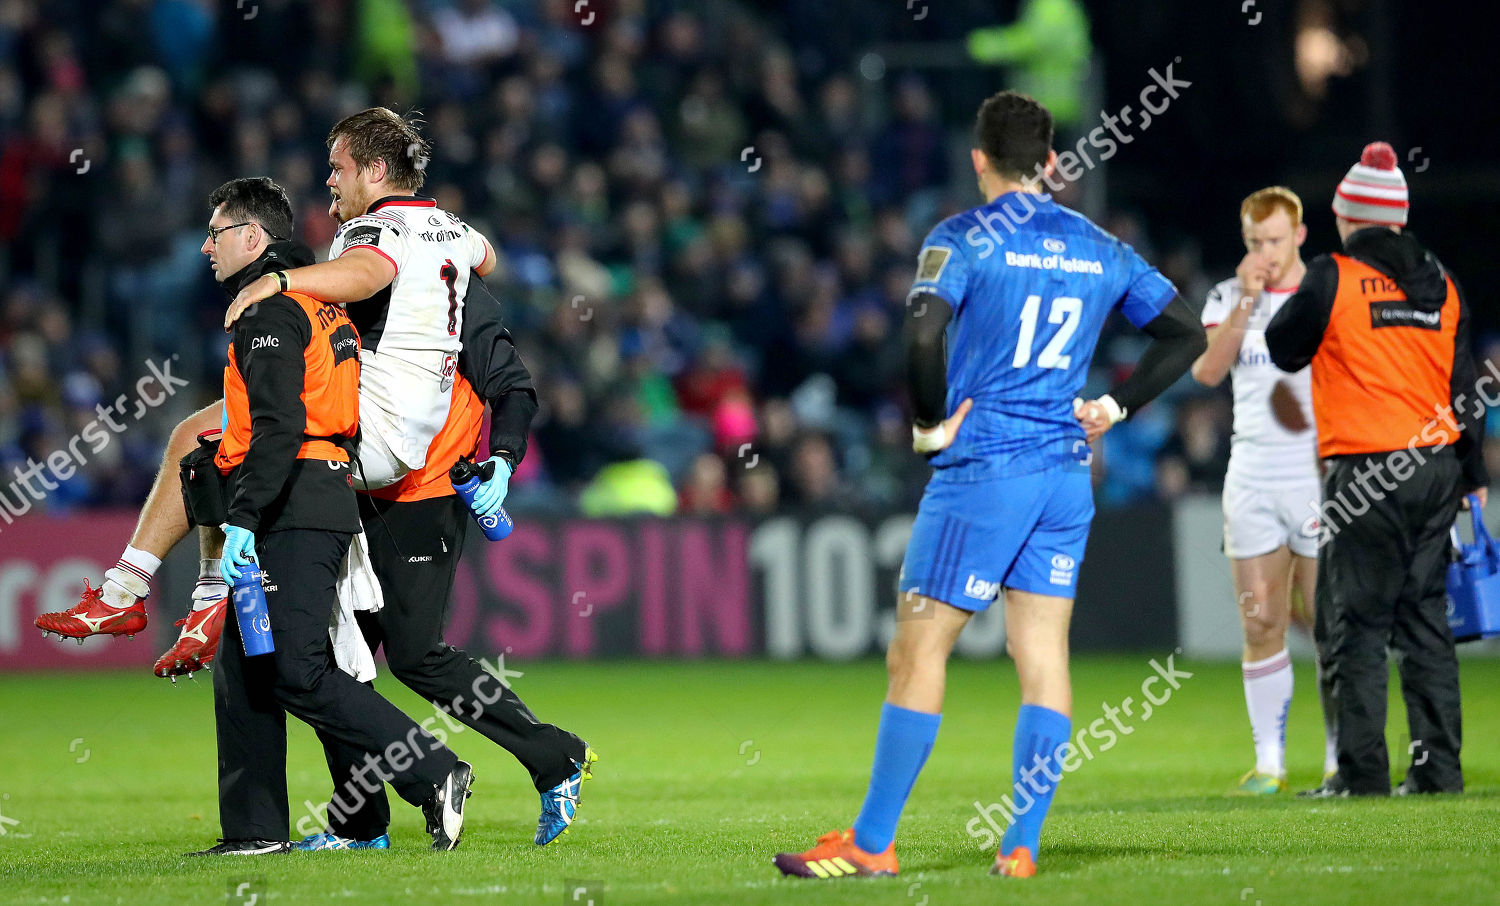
column 1474, row 583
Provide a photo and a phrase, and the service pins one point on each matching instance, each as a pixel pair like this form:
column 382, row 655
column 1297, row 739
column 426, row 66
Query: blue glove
column 239, row 550
column 492, row 493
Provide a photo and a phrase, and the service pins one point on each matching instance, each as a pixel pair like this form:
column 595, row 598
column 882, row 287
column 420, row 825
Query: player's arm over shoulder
column 367, row 255
column 274, row 328
column 483, row 251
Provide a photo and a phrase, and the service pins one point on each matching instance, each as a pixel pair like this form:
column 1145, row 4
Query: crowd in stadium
column 705, row 272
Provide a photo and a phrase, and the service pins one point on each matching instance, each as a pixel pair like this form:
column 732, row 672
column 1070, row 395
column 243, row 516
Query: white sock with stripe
column 211, row 586
column 1268, row 695
column 130, row 578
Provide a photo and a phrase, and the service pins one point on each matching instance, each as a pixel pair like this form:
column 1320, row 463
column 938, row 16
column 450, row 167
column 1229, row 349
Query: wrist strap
column 1115, row 410
column 1112, row 408
column 926, row 440
column 281, row 279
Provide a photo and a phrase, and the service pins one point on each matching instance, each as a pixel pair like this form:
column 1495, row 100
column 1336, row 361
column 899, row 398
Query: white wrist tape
column 927, row 440
column 1115, row 411
column 1112, row 409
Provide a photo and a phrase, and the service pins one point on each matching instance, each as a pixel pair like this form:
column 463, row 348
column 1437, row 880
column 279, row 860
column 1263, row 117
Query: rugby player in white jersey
column 1272, row 485
column 392, row 246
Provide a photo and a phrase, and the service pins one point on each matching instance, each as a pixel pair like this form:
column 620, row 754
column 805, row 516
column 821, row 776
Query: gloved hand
column 239, row 550
column 492, row 493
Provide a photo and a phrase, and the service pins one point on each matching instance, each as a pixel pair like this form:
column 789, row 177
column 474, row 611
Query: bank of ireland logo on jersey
column 1062, row 569
column 1055, row 246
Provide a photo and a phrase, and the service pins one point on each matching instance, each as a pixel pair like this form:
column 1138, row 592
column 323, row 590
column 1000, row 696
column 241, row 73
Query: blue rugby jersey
column 1030, row 283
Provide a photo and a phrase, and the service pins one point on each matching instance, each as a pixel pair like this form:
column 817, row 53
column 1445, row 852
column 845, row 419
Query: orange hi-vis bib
column 1381, row 376
column 330, row 389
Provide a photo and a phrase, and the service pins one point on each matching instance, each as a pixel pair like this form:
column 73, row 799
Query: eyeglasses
column 213, row 232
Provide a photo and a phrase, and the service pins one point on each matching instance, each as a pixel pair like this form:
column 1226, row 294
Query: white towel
column 358, row 589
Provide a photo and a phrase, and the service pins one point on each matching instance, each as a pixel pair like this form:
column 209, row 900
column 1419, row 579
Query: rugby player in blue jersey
column 1002, row 322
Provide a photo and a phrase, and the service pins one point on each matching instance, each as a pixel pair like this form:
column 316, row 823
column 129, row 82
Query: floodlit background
column 707, row 212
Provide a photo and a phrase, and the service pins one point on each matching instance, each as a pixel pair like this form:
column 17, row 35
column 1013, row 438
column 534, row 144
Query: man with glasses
column 117, row 607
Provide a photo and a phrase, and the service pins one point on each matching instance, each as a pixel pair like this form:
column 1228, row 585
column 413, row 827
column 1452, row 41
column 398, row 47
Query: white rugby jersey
column 409, row 331
column 1262, row 451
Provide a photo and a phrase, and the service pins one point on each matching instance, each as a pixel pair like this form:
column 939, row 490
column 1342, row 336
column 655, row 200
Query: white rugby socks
column 1268, row 695
column 130, row 578
column 211, row 586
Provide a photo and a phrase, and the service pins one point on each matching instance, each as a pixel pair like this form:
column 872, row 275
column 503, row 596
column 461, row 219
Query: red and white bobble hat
column 1374, row 190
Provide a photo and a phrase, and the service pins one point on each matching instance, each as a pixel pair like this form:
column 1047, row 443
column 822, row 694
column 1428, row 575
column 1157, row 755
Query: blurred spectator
column 815, row 478
column 911, row 154
column 572, row 447
column 634, row 487
column 707, row 492
column 1196, row 455
column 760, row 489
column 476, row 33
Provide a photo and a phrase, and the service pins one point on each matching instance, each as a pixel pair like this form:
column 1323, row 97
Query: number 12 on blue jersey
column 1065, row 311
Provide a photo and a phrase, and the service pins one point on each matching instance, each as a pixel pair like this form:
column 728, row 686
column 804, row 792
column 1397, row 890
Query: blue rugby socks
column 902, row 745
column 1036, row 772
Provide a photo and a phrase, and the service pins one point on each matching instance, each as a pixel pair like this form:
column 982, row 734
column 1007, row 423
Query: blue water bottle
column 250, row 610
column 467, row 476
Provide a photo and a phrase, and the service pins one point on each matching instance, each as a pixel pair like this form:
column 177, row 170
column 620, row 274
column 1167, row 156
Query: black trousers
column 415, row 547
column 1385, row 563
column 1323, row 651
column 253, row 695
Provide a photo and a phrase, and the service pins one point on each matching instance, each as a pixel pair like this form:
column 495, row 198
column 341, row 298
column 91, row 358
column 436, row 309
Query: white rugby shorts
column 1259, row 519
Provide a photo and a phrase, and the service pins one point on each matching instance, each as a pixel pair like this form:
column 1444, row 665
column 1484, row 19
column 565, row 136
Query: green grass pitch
column 709, row 769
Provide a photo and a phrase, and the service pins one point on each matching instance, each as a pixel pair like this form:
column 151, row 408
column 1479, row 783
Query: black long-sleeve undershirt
column 927, row 357
column 1177, row 339
column 490, row 363
column 1296, row 331
column 1468, row 411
